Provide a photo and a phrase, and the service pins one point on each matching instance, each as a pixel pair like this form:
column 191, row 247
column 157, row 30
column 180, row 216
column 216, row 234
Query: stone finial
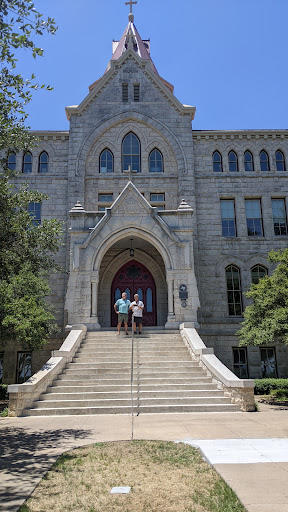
column 78, row 207
column 184, row 206
column 131, row 17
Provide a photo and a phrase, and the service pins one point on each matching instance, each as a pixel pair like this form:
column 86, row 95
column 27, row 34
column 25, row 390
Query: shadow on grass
column 24, row 458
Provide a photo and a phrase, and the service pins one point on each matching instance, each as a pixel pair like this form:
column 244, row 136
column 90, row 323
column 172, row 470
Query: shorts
column 121, row 317
column 138, row 320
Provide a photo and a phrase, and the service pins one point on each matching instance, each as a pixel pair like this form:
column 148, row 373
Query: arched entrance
column 134, row 277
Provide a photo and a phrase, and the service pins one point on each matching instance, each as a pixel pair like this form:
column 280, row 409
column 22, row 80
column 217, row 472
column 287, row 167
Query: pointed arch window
column 264, row 161
column 106, row 161
column 27, row 162
column 43, row 163
column 12, row 161
column 233, row 161
column 257, row 272
column 131, row 153
column 248, row 161
column 156, row 161
column 280, row 161
column 217, row 162
column 234, row 291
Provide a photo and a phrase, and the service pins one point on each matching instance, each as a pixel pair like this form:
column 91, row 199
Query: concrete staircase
column 98, row 380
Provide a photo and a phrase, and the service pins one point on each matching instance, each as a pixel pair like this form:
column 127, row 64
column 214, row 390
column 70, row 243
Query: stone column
column 94, row 302
column 171, row 324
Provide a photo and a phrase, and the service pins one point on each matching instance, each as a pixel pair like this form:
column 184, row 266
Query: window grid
column 257, row 272
column 105, row 200
column 233, row 162
column 254, row 217
column 268, row 362
column 27, row 163
column 136, row 92
column 12, row 161
column 157, row 196
column 264, row 161
column 248, row 161
column 43, row 163
column 279, row 216
column 34, row 210
column 155, row 161
column 131, row 153
column 125, row 93
column 240, row 364
column 228, row 217
column 217, row 162
column 24, row 367
column 234, row 292
column 280, row 161
column 106, row 161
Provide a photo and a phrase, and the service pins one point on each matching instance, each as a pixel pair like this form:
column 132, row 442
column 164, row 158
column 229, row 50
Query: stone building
column 183, row 217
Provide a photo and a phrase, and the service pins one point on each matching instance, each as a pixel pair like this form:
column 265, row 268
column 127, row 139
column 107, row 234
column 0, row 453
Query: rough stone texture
column 178, row 251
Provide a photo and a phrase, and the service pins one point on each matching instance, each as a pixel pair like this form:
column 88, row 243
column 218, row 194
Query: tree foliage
column 266, row 320
column 20, row 23
column 26, row 257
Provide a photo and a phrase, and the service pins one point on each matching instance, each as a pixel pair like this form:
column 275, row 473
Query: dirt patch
column 164, row 477
column 270, row 403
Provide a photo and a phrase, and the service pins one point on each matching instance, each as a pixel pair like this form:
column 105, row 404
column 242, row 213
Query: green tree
column 266, row 320
column 26, row 258
column 20, row 23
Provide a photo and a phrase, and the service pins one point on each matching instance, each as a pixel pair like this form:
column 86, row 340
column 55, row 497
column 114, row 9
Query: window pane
column 257, row 273
column 240, row 362
column 43, row 162
column 279, row 216
column 34, row 210
column 280, row 161
column 149, row 307
column 217, row 162
column 27, row 163
column 268, row 362
column 117, row 294
column 128, row 293
column 228, row 217
column 12, row 161
column 105, row 198
column 24, row 360
column 248, row 161
column 264, row 161
column 155, row 161
column 233, row 164
column 106, row 161
column 140, row 293
column 157, row 197
column 254, row 217
column 234, row 293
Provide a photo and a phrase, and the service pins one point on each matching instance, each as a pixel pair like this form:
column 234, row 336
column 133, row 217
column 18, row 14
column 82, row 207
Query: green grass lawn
column 163, row 476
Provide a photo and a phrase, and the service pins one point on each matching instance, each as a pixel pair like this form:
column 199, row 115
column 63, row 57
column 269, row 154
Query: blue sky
column 226, row 57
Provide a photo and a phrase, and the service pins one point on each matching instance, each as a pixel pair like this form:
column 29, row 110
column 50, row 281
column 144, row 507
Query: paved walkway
column 249, row 450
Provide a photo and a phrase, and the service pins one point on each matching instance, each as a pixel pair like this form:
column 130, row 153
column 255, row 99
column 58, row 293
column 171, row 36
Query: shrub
column 280, row 393
column 266, row 386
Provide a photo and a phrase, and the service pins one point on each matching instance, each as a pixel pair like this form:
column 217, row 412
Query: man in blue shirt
column 121, row 307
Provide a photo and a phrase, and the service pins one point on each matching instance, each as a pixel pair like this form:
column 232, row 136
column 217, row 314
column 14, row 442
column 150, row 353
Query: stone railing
column 240, row 391
column 22, row 396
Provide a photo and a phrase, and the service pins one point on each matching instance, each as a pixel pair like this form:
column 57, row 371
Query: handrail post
column 132, row 368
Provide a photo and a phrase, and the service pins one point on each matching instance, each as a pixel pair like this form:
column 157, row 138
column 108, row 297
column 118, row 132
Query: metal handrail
column 132, row 376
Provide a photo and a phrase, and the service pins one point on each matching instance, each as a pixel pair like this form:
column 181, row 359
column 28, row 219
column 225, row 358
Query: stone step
column 164, row 363
column 143, row 352
column 149, row 409
column 114, row 402
column 74, row 380
column 137, row 393
column 58, row 387
column 126, row 344
column 144, row 372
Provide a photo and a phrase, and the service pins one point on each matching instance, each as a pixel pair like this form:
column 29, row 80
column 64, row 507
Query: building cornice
column 50, row 134
column 239, row 134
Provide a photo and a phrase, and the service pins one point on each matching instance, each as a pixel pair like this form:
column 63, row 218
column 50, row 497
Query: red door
column 133, row 278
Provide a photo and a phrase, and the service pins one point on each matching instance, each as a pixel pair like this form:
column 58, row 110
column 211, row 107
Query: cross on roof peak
column 131, row 15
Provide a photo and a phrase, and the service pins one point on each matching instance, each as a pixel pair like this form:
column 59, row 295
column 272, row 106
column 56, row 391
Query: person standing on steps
column 137, row 307
column 121, row 307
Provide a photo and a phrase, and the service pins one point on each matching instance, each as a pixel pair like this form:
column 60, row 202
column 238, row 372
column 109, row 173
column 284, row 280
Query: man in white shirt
column 137, row 307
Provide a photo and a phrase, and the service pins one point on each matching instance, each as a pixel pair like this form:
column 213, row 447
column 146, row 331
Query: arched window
column 43, row 162
column 234, row 292
column 149, row 301
column 233, row 162
column 155, row 161
column 264, row 161
column 27, row 162
column 12, row 161
column 257, row 272
column 217, row 162
column 248, row 161
column 280, row 161
column 131, row 153
column 106, row 161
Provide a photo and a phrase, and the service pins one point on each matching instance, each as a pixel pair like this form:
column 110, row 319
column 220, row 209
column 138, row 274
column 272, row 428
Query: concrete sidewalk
column 29, row 446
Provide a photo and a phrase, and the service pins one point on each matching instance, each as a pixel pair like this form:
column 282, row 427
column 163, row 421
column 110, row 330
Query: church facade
column 183, row 217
